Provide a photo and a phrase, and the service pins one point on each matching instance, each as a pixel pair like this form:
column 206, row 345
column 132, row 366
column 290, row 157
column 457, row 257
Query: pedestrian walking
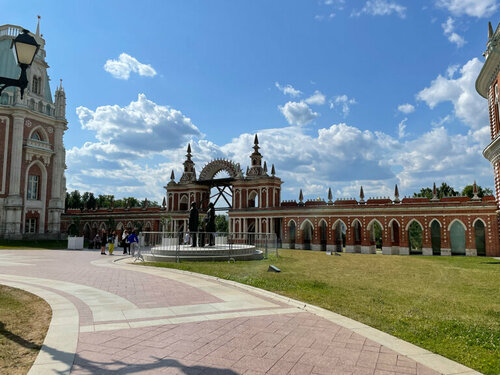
column 103, row 242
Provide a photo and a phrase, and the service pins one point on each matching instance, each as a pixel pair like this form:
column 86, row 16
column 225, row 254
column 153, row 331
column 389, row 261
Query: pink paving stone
column 292, row 343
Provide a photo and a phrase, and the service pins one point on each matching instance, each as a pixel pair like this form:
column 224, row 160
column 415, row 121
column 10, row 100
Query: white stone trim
column 5, row 154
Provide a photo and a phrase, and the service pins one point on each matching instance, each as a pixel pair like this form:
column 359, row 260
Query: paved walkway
column 115, row 318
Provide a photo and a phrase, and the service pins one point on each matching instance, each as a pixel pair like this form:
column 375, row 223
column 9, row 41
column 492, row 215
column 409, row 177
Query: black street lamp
column 25, row 49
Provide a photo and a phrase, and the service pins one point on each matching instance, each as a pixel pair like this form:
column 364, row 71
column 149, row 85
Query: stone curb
column 59, row 347
column 422, row 356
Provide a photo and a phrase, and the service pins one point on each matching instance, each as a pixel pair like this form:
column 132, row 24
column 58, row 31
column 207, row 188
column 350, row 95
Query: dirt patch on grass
column 24, row 321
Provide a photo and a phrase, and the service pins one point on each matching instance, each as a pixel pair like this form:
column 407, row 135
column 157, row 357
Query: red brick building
column 447, row 226
column 32, row 155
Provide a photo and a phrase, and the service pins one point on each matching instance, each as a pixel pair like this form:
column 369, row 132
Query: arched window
column 457, row 238
column 47, row 109
column 36, row 136
column 33, row 187
column 34, row 85
column 40, row 107
column 436, row 237
column 292, row 231
column 479, row 233
column 4, row 99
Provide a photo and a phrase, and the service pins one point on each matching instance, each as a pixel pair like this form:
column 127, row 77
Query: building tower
column 487, row 86
column 32, row 160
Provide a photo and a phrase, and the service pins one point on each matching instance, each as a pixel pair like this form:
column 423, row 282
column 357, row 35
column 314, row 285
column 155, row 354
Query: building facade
column 446, row 226
column 32, row 154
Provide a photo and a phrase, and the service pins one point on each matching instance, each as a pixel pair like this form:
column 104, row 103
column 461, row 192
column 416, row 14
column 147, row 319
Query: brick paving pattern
column 132, row 322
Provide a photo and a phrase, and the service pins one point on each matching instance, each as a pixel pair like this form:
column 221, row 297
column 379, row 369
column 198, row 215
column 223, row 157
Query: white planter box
column 75, row 243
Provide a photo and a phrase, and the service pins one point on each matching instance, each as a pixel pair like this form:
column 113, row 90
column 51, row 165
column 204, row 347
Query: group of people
column 207, row 226
column 128, row 240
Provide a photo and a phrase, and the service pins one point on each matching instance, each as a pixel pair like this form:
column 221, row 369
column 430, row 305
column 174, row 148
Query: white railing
column 10, row 30
column 38, row 144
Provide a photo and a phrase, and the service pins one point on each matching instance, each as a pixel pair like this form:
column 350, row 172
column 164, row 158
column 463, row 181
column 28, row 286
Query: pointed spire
column 38, row 26
column 164, row 203
column 189, row 148
column 256, row 139
column 248, row 170
column 490, row 31
column 434, row 193
column 396, row 194
column 172, row 176
column 330, row 196
column 273, row 172
column 474, row 190
column 361, row 195
column 265, row 167
column 301, row 197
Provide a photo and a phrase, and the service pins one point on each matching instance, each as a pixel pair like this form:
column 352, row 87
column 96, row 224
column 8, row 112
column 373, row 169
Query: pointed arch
column 119, row 226
column 416, row 221
column 356, row 221
column 459, row 221
column 338, row 221
column 435, row 220
column 372, row 221
column 303, row 224
column 290, row 222
column 479, row 219
column 44, row 137
column 102, row 226
column 394, row 220
column 321, row 221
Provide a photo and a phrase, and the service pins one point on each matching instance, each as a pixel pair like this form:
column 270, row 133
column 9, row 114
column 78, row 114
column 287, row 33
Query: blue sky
column 341, row 93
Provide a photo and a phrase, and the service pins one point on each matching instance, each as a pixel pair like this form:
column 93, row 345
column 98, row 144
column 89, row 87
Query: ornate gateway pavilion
column 447, row 226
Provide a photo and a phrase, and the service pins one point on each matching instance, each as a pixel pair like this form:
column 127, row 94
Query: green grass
column 33, row 244
column 448, row 305
column 24, row 320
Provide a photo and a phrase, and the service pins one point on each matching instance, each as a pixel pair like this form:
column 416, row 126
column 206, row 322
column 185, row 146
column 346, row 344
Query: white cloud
column 381, row 8
column 126, row 64
column 406, row 108
column 343, row 102
column 473, row 8
column 468, row 105
column 288, row 90
column 298, row 113
column 453, row 37
column 402, row 128
column 316, row 99
column 140, row 127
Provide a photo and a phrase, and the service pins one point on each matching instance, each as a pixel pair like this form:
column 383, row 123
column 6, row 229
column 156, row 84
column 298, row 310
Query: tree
column 481, row 192
column 221, row 224
column 444, row 190
column 105, row 201
column 74, row 200
column 89, row 200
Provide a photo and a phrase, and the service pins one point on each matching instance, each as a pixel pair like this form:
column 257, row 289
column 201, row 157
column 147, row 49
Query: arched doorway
column 356, row 233
column 457, row 238
column 394, row 233
column 479, row 233
column 436, row 237
column 375, row 229
column 339, row 232
column 415, row 237
column 307, row 234
column 292, row 229
column 323, row 235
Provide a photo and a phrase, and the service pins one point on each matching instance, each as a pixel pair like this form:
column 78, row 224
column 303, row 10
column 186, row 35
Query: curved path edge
column 434, row 361
column 59, row 347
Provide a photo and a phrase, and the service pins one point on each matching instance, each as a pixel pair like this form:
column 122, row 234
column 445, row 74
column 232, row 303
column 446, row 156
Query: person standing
column 133, row 242
column 125, row 244
column 103, row 242
column 194, row 222
column 97, row 241
column 211, row 224
column 111, row 243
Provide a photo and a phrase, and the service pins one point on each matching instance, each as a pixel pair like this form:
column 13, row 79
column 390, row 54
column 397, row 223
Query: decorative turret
column 60, row 102
column 256, row 169
column 172, row 176
column 273, row 171
column 164, row 203
column 265, row 167
column 361, row 195
column 434, row 193
column 189, row 174
column 330, row 196
column 396, row 194
column 474, row 191
column 301, row 197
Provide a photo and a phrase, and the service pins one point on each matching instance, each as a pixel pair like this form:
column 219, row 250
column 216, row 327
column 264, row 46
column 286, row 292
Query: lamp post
column 25, row 49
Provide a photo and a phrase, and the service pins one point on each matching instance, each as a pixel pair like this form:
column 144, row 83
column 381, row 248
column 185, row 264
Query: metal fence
column 181, row 244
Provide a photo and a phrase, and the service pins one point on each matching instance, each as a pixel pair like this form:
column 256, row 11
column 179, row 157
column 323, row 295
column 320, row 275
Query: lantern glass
column 25, row 48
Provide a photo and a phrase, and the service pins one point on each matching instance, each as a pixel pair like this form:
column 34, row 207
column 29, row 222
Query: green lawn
column 448, row 305
column 33, row 244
